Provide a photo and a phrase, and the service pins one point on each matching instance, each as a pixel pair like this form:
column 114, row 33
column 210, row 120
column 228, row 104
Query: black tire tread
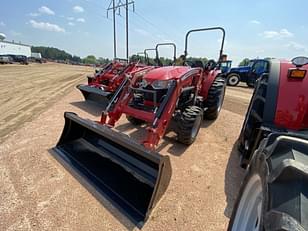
column 212, row 102
column 186, row 124
column 282, row 163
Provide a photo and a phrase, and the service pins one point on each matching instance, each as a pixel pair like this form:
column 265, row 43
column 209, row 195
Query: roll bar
column 206, row 29
column 146, row 57
column 166, row 44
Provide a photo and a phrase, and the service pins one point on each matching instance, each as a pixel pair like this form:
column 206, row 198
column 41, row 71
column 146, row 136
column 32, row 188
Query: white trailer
column 12, row 48
column 36, row 55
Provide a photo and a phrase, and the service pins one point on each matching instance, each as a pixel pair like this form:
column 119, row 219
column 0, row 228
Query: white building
column 12, row 48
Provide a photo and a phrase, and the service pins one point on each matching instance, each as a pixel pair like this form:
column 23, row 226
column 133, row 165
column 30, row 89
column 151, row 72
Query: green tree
column 76, row 59
column 102, row 60
column 90, row 59
column 52, row 53
column 244, row 62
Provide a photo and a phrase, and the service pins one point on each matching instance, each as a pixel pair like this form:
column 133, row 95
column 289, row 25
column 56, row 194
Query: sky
column 263, row 28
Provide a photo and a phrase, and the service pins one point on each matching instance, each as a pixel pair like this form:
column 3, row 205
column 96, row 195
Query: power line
column 155, row 26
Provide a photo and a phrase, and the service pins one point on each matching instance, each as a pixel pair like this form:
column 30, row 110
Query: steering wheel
column 210, row 65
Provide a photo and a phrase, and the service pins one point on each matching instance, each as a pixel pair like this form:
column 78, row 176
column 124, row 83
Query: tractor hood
column 240, row 69
column 166, row 73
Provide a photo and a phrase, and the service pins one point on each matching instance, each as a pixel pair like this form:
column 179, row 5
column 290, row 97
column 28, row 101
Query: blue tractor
column 248, row 74
column 225, row 66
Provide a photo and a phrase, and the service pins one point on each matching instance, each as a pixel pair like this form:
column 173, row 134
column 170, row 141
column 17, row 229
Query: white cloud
column 71, row 23
column 2, row 24
column 78, row 9
column 46, row 26
column 270, row 34
column 296, row 46
column 286, row 33
column 255, row 22
column 80, row 20
column 46, row 10
column 70, row 18
column 34, row 14
column 283, row 33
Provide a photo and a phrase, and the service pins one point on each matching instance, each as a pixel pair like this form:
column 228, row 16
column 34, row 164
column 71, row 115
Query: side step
column 111, row 165
column 94, row 94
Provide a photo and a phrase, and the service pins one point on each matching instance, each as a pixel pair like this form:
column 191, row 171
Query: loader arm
column 162, row 117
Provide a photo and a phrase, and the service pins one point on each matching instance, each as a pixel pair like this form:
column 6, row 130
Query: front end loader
column 131, row 174
column 102, row 85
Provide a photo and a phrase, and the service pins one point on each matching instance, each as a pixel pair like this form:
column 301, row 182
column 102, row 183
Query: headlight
column 161, row 84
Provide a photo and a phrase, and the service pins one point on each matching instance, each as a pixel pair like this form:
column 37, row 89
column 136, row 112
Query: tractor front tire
column 273, row 195
column 189, row 124
column 134, row 121
column 233, row 79
column 215, row 99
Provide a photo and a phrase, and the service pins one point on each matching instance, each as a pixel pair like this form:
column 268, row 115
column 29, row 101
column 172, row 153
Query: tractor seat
column 197, row 63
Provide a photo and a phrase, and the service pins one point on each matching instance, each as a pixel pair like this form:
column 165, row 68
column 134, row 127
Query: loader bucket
column 114, row 167
column 94, row 94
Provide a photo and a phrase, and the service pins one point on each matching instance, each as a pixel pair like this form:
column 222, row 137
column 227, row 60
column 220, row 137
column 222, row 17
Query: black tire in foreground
column 188, row 125
column 134, row 120
column 251, row 84
column 233, row 79
column 253, row 120
column 274, row 192
column 215, row 99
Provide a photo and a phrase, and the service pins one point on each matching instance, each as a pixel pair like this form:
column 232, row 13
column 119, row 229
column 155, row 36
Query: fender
column 292, row 100
column 207, row 82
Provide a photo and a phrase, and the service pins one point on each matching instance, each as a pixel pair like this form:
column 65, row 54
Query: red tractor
column 105, row 82
column 133, row 175
column 273, row 146
column 102, row 85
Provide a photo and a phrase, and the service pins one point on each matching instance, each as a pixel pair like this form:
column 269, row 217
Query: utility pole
column 114, row 8
column 127, row 56
column 114, row 31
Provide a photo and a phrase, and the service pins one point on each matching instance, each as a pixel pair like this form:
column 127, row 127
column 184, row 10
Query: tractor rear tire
column 252, row 121
column 215, row 99
column 189, row 124
column 134, row 121
column 273, row 194
column 233, row 79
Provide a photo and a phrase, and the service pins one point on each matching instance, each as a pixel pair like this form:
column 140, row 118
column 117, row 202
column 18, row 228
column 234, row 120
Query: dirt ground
column 26, row 90
column 37, row 193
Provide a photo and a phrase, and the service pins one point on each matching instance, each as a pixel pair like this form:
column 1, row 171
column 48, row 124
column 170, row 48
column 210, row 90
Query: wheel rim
column 196, row 127
column 248, row 214
column 233, row 80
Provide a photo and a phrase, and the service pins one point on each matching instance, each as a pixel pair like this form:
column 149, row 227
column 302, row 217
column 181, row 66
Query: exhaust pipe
column 113, row 166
